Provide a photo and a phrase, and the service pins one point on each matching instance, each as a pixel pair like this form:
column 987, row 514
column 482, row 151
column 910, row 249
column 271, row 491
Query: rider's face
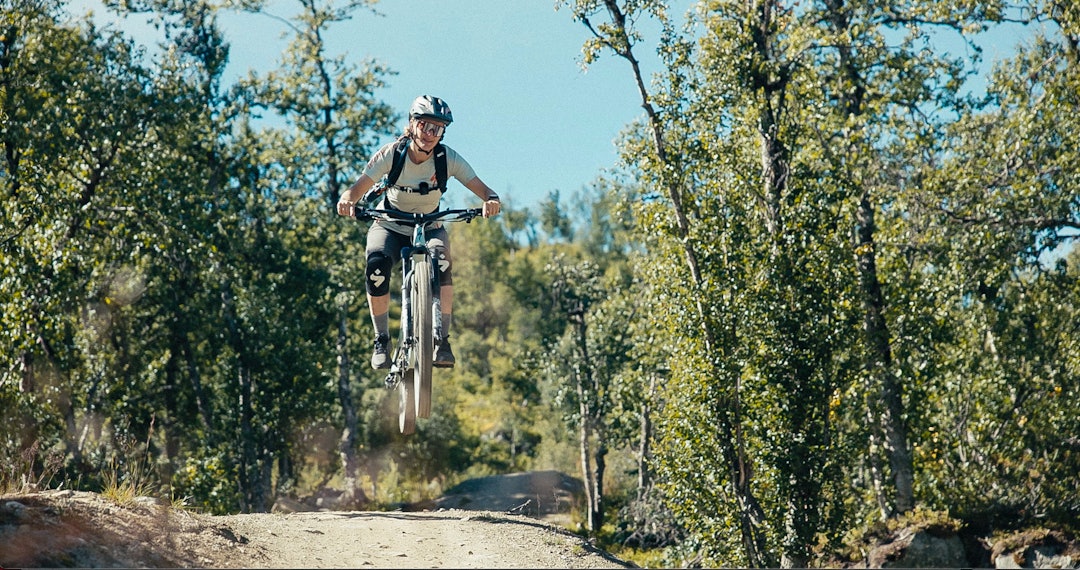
column 427, row 132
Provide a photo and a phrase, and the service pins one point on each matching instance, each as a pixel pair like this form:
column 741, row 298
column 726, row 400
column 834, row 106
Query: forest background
column 827, row 286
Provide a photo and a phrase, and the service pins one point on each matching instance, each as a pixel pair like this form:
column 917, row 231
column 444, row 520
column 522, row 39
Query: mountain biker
column 416, row 190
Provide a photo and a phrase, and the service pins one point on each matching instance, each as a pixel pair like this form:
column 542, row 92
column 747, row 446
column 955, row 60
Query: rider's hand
column 491, row 207
column 345, row 208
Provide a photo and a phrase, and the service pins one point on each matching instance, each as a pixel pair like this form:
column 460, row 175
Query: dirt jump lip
column 538, row 494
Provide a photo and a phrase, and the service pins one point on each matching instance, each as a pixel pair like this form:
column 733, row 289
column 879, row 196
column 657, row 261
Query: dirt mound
column 78, row 529
column 547, row 495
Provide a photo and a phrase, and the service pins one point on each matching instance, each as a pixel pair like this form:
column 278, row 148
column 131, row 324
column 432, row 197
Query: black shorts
column 390, row 243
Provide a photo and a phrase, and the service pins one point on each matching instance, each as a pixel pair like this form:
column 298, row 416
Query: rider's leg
column 380, row 262
column 379, row 266
column 379, row 307
column 446, row 297
column 444, row 355
column 439, row 242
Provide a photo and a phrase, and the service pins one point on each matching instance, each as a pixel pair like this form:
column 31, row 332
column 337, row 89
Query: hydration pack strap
column 401, row 154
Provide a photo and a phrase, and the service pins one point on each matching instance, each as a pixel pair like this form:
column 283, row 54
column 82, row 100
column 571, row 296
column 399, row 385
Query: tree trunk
column 890, row 423
column 751, row 516
column 185, row 358
column 601, row 466
column 26, row 383
column 645, row 436
column 347, row 444
column 201, row 398
column 586, row 463
column 248, row 473
column 886, row 423
column 586, row 391
column 252, row 497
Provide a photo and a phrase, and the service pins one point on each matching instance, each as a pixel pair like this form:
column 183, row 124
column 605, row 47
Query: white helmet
column 428, row 107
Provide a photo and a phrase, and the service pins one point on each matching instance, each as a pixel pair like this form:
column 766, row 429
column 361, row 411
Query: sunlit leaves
column 858, row 98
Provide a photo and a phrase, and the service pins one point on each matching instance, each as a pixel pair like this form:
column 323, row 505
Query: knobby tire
column 425, row 333
column 407, row 414
column 407, row 385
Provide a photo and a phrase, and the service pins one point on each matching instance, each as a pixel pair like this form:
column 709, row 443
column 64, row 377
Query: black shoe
column 444, row 355
column 380, row 357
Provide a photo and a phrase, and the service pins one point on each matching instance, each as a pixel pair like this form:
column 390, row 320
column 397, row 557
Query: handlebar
column 464, row 215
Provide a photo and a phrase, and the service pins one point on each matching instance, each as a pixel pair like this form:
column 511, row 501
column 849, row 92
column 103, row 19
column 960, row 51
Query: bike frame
column 411, row 257
column 421, row 312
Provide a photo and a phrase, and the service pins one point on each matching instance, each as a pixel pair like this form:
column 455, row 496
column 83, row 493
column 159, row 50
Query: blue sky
column 527, row 117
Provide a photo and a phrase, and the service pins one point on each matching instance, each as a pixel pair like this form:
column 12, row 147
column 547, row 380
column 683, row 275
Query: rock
column 148, row 502
column 285, row 504
column 919, row 549
column 1035, row 557
column 14, row 509
column 1038, row 548
column 1054, row 559
column 537, row 494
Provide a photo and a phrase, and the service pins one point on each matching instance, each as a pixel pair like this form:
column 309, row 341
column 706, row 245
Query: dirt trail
column 493, row 522
column 446, row 539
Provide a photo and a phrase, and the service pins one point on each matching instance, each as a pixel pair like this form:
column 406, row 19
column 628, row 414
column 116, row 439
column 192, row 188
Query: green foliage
column 778, row 128
column 207, row 480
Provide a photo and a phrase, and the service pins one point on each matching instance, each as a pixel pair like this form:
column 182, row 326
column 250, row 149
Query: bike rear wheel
column 425, row 335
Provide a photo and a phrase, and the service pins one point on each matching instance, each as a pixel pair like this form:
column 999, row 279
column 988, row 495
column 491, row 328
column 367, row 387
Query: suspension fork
column 420, row 242
column 436, row 301
column 406, row 298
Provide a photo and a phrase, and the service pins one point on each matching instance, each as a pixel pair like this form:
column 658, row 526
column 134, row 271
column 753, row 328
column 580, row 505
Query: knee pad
column 442, row 260
column 379, row 266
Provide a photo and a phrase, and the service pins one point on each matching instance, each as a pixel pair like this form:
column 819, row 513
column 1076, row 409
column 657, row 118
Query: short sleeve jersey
column 412, row 175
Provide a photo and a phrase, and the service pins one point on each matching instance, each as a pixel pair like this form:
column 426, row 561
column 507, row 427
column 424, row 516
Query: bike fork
column 400, row 360
column 436, row 303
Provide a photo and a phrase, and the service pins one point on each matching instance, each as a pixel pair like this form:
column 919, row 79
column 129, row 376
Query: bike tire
column 407, row 411
column 425, row 335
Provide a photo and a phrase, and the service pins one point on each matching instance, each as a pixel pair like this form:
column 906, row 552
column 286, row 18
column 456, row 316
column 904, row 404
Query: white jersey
column 405, row 194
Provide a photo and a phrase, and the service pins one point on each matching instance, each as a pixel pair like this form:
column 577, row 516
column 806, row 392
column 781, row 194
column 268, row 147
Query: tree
column 984, row 213
column 336, row 119
column 617, row 36
column 817, row 92
column 78, row 122
column 588, row 362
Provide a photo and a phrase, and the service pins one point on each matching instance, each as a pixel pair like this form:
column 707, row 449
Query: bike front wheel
column 425, row 336
column 406, row 404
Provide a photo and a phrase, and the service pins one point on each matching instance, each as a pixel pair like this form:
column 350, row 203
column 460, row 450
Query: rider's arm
column 354, row 194
column 485, row 193
column 375, row 169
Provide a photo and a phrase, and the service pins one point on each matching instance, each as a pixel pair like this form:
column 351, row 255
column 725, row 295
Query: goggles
column 431, row 129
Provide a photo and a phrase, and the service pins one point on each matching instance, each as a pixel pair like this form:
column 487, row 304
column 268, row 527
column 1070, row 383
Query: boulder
column 919, row 549
column 1035, row 548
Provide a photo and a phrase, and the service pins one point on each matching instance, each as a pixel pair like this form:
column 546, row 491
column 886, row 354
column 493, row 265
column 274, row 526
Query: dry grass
column 23, row 475
column 123, row 485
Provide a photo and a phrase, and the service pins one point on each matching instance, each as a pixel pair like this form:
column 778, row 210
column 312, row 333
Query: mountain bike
column 421, row 313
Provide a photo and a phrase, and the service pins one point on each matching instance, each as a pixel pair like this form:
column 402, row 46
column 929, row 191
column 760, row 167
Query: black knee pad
column 442, row 261
column 379, row 266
